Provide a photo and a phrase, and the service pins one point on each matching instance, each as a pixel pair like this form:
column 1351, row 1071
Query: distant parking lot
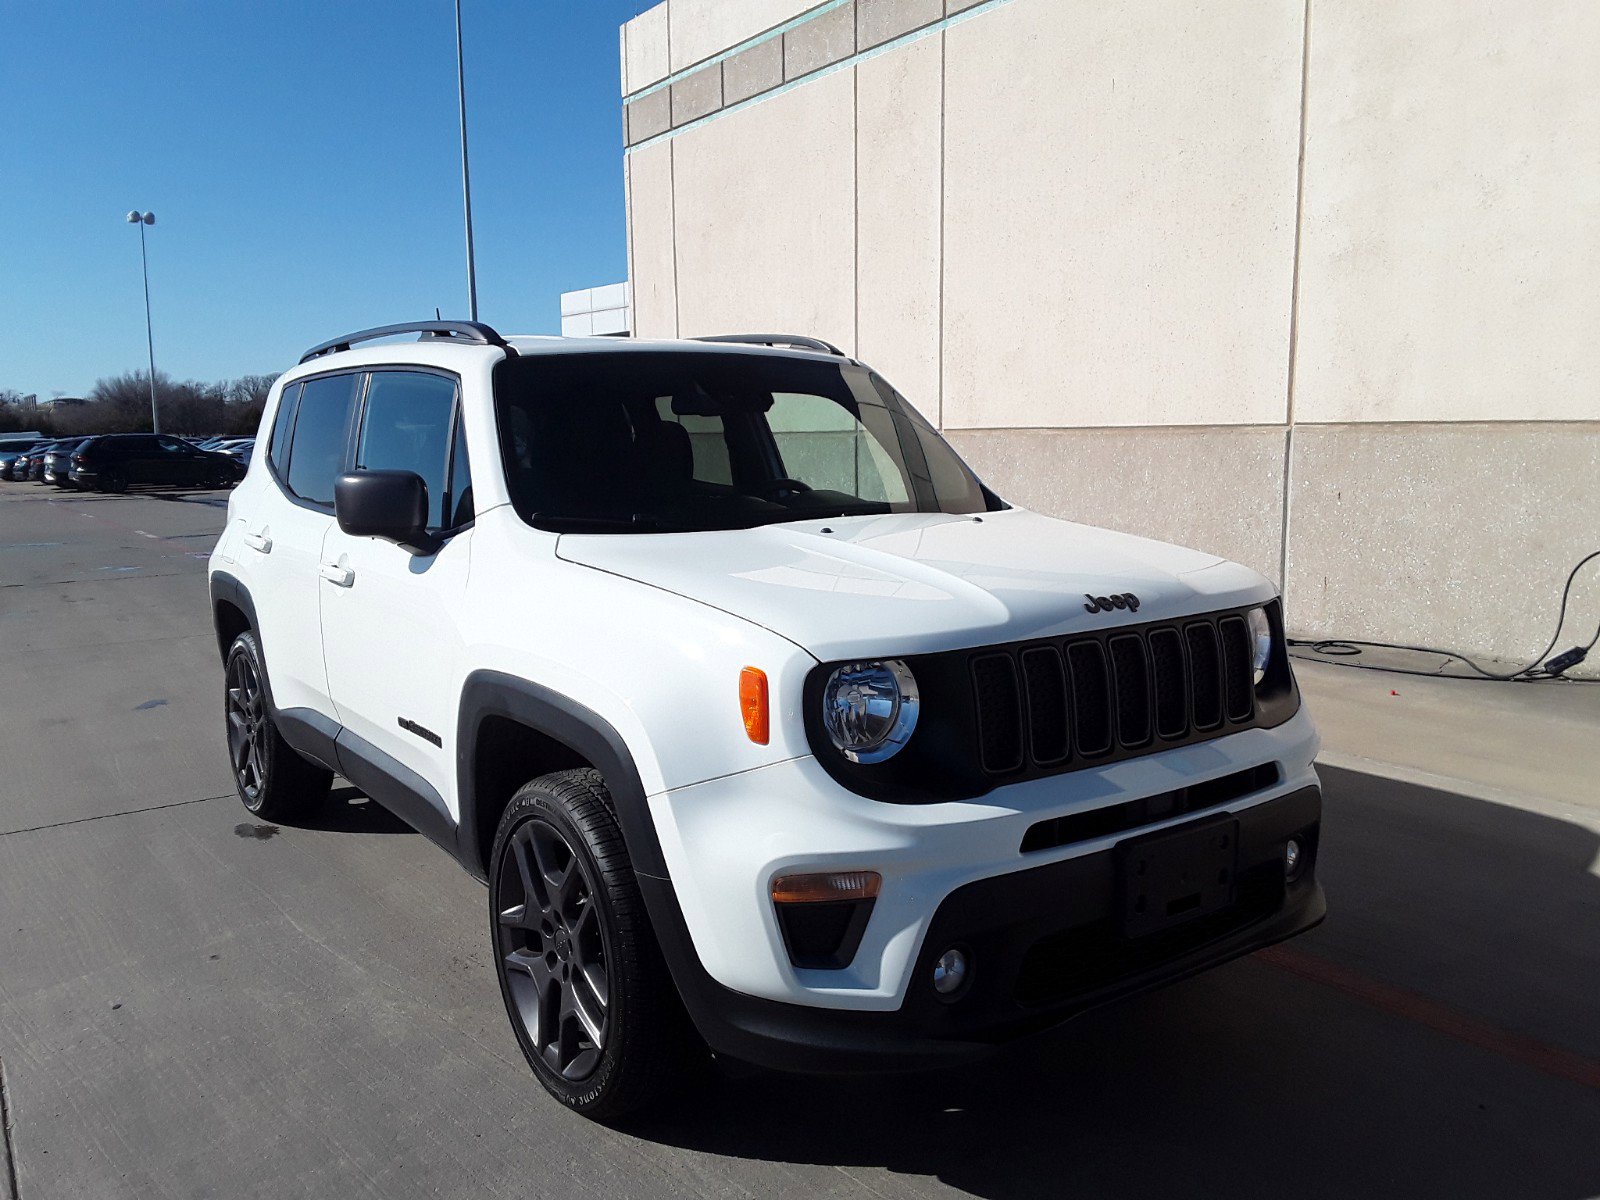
column 195, row 1003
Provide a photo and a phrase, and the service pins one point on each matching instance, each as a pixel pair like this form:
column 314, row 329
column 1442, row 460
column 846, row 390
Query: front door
column 389, row 633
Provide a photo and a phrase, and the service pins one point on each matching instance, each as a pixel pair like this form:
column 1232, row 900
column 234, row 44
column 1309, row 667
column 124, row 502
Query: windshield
column 652, row 442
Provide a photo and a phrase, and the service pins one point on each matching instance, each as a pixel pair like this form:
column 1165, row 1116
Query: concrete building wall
column 1310, row 285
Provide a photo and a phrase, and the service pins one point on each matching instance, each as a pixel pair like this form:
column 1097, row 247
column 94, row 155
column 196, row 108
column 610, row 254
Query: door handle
column 259, row 541
column 337, row 575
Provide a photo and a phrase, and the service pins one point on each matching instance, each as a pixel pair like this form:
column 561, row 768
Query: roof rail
column 455, row 331
column 792, row 340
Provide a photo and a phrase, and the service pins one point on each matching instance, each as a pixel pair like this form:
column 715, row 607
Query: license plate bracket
column 1177, row 875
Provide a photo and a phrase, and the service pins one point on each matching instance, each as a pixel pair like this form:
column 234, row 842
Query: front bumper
column 1038, row 921
column 1046, row 944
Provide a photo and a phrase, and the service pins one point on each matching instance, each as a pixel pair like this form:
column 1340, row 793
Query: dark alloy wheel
column 588, row 992
column 247, row 728
column 274, row 781
column 113, row 480
column 554, row 950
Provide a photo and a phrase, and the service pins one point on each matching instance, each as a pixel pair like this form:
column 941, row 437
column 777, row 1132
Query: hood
column 913, row 583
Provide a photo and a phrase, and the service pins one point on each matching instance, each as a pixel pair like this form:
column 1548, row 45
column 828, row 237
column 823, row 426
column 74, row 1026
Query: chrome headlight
column 870, row 709
column 1260, row 641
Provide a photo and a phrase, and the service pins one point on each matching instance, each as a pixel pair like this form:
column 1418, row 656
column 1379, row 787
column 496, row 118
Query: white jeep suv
column 769, row 727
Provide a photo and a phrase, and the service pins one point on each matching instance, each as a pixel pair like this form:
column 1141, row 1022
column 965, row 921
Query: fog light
column 950, row 972
column 1291, row 860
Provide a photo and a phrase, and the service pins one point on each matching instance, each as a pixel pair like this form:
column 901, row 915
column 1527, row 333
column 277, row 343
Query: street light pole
column 466, row 178
column 141, row 219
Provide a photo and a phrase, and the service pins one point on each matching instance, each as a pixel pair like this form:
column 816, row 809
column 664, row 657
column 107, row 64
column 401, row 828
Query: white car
column 769, row 727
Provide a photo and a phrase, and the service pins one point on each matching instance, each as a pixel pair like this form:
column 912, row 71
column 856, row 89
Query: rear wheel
column 588, row 993
column 113, row 480
column 274, row 781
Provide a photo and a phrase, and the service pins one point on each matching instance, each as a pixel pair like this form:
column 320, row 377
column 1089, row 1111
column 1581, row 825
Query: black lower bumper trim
column 1047, row 943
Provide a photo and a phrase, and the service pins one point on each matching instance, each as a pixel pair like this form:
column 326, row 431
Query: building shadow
column 1253, row 1080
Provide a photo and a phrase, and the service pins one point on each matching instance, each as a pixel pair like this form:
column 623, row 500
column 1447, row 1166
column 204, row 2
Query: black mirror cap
column 392, row 505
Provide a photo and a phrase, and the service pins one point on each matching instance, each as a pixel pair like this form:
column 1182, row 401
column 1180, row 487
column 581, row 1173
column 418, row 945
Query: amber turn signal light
column 753, row 704
column 819, row 889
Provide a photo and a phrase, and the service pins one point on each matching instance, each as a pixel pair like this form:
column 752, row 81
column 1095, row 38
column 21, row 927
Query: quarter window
column 408, row 427
column 282, row 423
column 460, row 477
column 316, row 448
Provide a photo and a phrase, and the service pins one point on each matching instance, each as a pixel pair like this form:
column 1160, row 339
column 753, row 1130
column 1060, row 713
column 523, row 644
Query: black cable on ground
column 1541, row 668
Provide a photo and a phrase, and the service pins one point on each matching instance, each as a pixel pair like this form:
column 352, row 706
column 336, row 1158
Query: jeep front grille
column 1072, row 701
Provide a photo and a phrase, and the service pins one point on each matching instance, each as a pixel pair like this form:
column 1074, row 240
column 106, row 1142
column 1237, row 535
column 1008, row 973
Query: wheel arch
column 232, row 610
column 510, row 730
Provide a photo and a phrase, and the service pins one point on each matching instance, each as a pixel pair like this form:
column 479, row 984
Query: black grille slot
column 1091, row 697
column 999, row 701
column 1205, row 675
column 1047, row 704
column 1171, row 683
column 1132, row 674
column 1146, row 810
column 1239, row 685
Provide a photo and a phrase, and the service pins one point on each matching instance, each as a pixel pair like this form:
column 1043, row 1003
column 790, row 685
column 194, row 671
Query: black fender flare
column 730, row 1023
column 488, row 694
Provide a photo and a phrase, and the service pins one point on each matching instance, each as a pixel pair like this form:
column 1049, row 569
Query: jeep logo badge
column 1106, row 603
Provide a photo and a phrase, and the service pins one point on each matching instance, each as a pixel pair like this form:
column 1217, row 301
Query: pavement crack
column 107, row 816
column 10, row 1147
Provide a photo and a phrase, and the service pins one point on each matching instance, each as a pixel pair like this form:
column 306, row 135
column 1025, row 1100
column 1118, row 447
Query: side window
column 278, row 448
column 408, row 427
column 824, row 445
column 173, row 446
column 460, row 477
column 316, row 447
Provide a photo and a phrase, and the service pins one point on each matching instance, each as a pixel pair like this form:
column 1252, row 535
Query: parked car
column 36, row 457
column 116, row 462
column 12, row 449
column 239, row 450
column 768, row 725
column 58, row 462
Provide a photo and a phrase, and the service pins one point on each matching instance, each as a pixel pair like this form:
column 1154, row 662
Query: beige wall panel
column 1452, row 212
column 644, row 49
column 701, row 28
column 1217, row 489
column 1444, row 535
column 655, row 309
column 1119, row 212
column 897, row 155
column 765, row 203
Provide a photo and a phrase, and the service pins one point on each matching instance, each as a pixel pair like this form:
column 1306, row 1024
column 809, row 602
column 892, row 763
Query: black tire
column 558, row 850
column 113, row 480
column 273, row 780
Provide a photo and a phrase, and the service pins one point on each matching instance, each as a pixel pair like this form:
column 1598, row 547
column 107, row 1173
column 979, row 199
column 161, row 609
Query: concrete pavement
column 193, row 1003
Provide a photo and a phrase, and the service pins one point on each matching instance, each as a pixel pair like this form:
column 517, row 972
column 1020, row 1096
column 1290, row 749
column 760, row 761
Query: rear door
column 389, row 633
column 281, row 545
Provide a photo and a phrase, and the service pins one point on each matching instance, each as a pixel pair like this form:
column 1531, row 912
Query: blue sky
column 303, row 164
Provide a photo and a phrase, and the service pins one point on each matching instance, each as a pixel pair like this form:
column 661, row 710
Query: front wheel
column 274, row 781
column 587, row 990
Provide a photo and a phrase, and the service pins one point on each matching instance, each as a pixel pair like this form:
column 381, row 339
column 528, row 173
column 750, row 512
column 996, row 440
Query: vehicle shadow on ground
column 349, row 810
column 211, row 497
column 1254, row 1081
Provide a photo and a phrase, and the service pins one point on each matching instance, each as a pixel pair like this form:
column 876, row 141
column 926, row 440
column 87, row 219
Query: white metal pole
column 149, row 334
column 466, row 178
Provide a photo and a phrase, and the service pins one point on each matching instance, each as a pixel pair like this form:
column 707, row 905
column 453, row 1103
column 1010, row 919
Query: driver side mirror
column 392, row 505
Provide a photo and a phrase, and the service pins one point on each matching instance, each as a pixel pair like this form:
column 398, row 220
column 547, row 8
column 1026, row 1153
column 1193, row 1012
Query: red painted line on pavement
column 1529, row 1052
